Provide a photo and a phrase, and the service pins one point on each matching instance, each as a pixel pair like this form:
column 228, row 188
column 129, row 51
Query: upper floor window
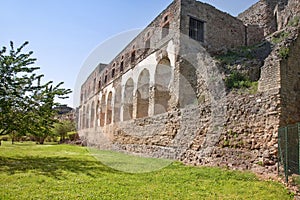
column 99, row 84
column 166, row 18
column 132, row 59
column 196, row 30
column 113, row 71
column 122, row 66
column 165, row 30
column 94, row 84
column 147, row 44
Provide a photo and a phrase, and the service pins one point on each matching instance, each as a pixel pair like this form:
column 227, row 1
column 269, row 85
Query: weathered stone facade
column 164, row 95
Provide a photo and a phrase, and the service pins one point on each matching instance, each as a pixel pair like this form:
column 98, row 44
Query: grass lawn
column 29, row 171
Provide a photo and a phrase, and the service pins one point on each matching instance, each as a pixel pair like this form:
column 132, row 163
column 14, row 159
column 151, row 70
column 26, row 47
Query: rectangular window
column 132, row 57
column 121, row 66
column 196, row 30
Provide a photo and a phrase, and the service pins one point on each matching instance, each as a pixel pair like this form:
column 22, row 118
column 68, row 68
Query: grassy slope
column 29, row 171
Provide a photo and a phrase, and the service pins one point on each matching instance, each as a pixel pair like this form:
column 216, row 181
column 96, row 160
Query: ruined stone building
column 171, row 92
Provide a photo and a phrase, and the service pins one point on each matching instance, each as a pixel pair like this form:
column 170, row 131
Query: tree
column 62, row 128
column 26, row 105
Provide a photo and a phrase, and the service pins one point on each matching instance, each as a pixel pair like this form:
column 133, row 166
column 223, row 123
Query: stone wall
column 164, row 94
column 290, row 85
column 221, row 31
column 262, row 14
column 249, row 136
column 271, row 15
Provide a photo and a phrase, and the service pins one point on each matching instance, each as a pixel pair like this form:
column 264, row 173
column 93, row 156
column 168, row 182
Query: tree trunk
column 41, row 140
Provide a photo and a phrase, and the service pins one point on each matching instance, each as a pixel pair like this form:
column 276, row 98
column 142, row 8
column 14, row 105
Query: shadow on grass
column 55, row 167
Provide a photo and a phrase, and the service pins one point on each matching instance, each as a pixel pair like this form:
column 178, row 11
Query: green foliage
column 284, row 52
column 29, row 171
column 296, row 180
column 233, row 55
column 26, row 104
column 280, row 37
column 294, row 22
column 237, row 80
column 62, row 129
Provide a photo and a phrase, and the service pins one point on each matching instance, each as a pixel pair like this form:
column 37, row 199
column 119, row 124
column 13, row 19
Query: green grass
column 129, row 163
column 29, row 171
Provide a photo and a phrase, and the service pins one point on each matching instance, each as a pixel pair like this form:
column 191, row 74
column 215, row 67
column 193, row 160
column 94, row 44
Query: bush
column 237, row 80
column 4, row 138
column 284, row 52
column 280, row 37
column 73, row 136
column 294, row 22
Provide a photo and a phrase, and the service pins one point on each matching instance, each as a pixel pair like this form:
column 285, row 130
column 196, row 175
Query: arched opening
column 87, row 117
column 97, row 113
column 92, row 121
column 102, row 110
column 117, row 104
column 80, row 121
column 128, row 100
column 143, row 94
column 83, row 118
column 162, row 81
column 109, row 109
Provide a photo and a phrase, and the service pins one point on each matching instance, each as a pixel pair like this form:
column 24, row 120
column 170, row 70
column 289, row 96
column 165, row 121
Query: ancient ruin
column 200, row 86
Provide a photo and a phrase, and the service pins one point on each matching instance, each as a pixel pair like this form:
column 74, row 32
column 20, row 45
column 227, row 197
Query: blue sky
column 63, row 33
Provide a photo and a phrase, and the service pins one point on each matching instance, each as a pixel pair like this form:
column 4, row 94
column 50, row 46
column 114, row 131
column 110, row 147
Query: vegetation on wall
column 237, row 80
column 280, row 37
column 238, row 65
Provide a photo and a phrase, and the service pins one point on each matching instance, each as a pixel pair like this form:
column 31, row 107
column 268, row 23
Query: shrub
column 279, row 38
column 237, row 80
column 284, row 52
column 294, row 22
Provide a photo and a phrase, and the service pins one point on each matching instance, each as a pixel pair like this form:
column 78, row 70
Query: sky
column 64, row 34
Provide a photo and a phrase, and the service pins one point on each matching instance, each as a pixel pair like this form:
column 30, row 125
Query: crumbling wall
column 271, row 15
column 290, row 84
column 262, row 14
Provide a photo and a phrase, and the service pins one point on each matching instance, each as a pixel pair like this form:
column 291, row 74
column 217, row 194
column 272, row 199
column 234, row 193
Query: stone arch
column 92, row 121
column 87, row 117
column 162, row 80
column 117, row 104
column 128, row 100
column 97, row 114
column 102, row 110
column 80, row 120
column 83, row 118
column 109, row 109
column 143, row 86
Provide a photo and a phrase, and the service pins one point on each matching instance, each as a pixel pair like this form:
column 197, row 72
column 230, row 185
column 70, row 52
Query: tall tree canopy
column 26, row 104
